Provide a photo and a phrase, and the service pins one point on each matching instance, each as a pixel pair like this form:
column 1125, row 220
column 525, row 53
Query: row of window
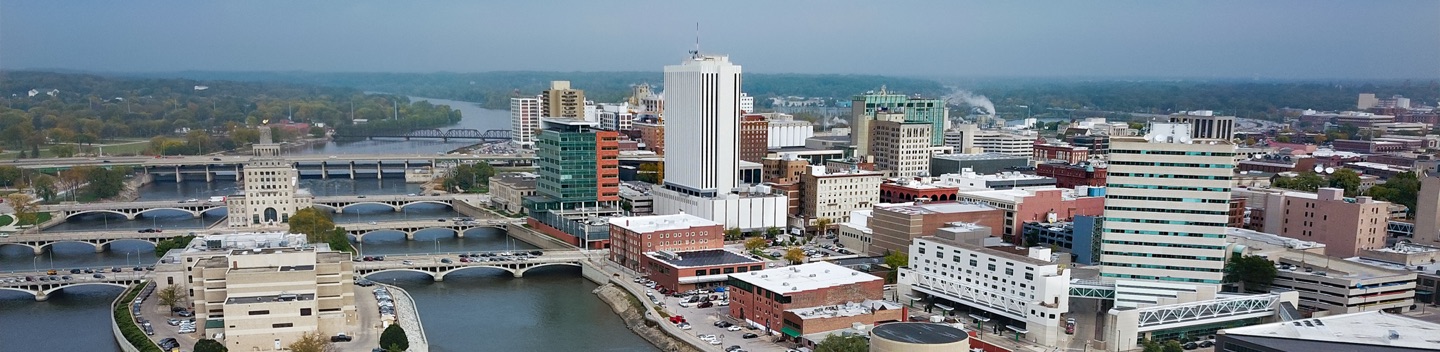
column 1159, row 164
column 1168, row 188
column 1167, row 222
column 1172, row 199
column 1169, row 152
column 1172, row 176
column 1168, row 210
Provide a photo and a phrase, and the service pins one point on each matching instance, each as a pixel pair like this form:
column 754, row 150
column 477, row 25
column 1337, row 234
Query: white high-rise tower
column 702, row 124
column 1166, row 208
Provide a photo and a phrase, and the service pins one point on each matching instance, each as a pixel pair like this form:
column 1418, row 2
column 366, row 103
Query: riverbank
column 409, row 319
column 634, row 313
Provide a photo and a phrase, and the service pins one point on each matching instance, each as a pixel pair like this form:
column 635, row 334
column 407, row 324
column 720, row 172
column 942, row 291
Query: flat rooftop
column 652, row 223
column 920, row 333
column 804, row 277
column 937, row 208
column 1367, row 328
column 1335, row 267
column 704, row 257
column 270, row 298
column 848, row 309
column 1272, row 239
column 978, row 156
column 1014, row 194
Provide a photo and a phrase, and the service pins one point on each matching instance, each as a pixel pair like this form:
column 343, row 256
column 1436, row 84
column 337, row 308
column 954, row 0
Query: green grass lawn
column 40, row 218
column 6, row 220
column 120, row 147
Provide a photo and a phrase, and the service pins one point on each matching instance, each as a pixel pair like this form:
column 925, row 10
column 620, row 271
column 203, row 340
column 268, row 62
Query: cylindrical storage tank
column 918, row 337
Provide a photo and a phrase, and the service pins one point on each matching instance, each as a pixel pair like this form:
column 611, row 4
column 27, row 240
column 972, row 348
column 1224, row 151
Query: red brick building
column 1042, row 151
column 754, row 138
column 632, row 237
column 688, row 270
column 898, row 192
column 1071, row 175
column 762, row 298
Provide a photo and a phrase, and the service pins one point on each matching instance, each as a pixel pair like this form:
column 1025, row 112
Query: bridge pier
column 519, row 274
column 40, row 249
column 380, row 168
column 352, row 169
column 101, row 247
column 324, row 171
column 209, row 176
column 40, row 296
column 409, row 235
column 438, row 277
column 178, row 177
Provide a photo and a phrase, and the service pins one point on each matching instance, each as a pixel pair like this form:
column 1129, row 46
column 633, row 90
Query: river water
column 550, row 309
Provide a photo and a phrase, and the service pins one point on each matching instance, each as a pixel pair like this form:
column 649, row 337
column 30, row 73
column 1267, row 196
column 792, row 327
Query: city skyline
column 1271, row 40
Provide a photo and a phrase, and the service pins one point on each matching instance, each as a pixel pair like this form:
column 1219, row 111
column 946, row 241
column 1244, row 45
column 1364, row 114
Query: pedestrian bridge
column 410, row 227
column 433, row 265
column 43, row 289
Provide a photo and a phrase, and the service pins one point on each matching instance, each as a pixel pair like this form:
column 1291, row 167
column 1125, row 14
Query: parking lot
column 702, row 321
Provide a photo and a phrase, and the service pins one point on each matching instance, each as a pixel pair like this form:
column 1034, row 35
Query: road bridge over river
column 435, row 264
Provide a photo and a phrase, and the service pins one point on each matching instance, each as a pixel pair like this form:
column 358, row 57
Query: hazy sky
column 1219, row 39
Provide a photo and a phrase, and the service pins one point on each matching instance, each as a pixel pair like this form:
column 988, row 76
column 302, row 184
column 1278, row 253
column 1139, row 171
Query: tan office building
column 562, row 101
column 902, row 147
column 263, row 299
column 894, row 227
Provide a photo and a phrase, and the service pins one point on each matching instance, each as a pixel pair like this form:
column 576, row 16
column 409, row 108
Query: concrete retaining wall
column 409, row 319
column 535, row 237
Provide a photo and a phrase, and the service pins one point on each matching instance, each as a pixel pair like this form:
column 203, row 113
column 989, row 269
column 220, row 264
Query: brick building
column 1043, row 151
column 1072, row 175
column 632, row 237
column 762, row 298
column 754, row 138
column 893, row 227
column 698, row 269
column 906, row 190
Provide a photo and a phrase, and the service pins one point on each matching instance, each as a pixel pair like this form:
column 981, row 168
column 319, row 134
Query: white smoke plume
column 980, row 103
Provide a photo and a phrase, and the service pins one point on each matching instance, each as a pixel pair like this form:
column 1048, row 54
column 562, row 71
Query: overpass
column 43, row 289
column 434, row 133
column 431, row 263
column 230, row 163
column 359, row 230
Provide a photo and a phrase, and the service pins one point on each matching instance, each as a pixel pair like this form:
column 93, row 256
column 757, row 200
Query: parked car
column 340, row 338
column 749, row 335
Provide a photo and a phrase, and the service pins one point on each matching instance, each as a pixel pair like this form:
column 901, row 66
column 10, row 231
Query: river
column 550, row 309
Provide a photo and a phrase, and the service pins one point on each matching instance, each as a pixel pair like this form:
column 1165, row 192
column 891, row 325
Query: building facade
column 561, row 101
column 579, row 178
column 702, row 125
column 1027, row 286
column 1167, row 202
column 1065, row 152
column 1073, row 175
column 524, row 121
column 509, row 190
column 754, row 138
column 904, row 190
column 894, row 227
column 631, row 237
column 270, row 189
column 902, row 147
column 761, row 298
column 834, row 195
column 866, row 107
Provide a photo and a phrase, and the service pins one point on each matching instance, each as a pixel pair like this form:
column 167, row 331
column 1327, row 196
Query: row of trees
column 318, row 227
column 470, row 178
column 493, row 90
column 1241, row 98
column 90, row 109
column 78, row 183
column 1400, row 189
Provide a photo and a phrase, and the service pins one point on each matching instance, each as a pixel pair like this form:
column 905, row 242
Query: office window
column 282, row 325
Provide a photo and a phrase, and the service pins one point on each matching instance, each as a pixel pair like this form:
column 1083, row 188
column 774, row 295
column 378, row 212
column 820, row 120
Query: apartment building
column 1034, row 205
column 902, row 147
column 525, row 116
column 631, row 237
column 1027, row 288
column 834, row 195
column 561, row 101
column 1345, row 225
column 894, row 227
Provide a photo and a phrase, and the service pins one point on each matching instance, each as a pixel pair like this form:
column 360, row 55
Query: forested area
column 1261, row 100
column 493, row 90
column 180, row 116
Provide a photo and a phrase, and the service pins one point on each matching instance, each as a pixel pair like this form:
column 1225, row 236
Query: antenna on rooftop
column 695, row 54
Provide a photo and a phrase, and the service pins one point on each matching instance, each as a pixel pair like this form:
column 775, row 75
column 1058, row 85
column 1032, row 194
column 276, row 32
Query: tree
column 795, row 255
column 312, row 342
column 837, row 343
column 208, row 345
column 314, row 223
column 170, row 296
column 895, row 260
column 1148, row 345
column 755, row 243
column 317, row 131
column 1254, row 273
column 44, row 186
column 771, row 232
column 1173, row 346
column 394, row 339
column 1283, row 139
column 1347, row 180
column 24, row 208
column 1401, row 189
column 732, row 234
column 107, row 183
column 63, row 150
column 1308, row 182
column 467, row 178
column 9, row 174
column 823, row 224
column 653, row 173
